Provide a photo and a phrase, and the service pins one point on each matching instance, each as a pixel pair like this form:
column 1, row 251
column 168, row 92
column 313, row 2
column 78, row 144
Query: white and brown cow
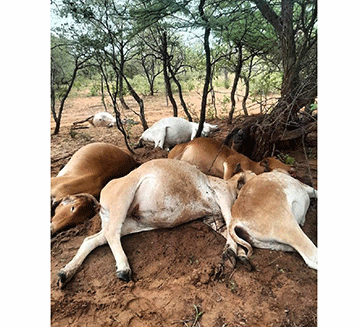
column 268, row 211
column 162, row 193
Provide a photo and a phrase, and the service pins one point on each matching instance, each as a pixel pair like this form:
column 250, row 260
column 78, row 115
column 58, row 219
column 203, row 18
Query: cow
column 103, row 119
column 215, row 158
column 268, row 211
column 88, row 171
column 161, row 193
column 170, row 131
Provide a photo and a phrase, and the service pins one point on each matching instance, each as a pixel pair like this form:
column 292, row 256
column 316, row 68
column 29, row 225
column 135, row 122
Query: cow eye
column 72, row 209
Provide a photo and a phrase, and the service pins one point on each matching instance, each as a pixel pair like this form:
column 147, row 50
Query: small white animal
column 170, row 131
column 103, row 119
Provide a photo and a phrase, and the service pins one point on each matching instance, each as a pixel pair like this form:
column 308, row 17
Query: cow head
column 272, row 163
column 208, row 128
column 73, row 210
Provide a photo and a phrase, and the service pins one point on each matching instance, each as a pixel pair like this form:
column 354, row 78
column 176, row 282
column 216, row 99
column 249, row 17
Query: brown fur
column 216, row 159
column 162, row 193
column 88, row 171
column 268, row 211
column 74, row 210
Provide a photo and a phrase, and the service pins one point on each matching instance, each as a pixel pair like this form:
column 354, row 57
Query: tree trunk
column 213, row 95
column 235, row 83
column 208, row 69
column 140, row 102
column 165, row 58
column 62, row 103
column 121, row 94
column 247, row 86
column 121, row 84
column 246, row 95
column 182, row 101
column 102, row 92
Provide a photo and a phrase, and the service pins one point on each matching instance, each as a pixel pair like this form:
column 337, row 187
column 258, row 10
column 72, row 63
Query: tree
column 157, row 33
column 296, row 30
column 205, row 22
column 102, row 28
column 149, row 63
column 62, row 76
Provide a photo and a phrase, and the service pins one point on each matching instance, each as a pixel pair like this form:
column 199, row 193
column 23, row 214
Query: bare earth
column 174, row 280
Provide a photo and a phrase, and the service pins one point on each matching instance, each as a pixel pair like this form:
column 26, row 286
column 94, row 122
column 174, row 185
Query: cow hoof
column 230, row 254
column 124, row 275
column 62, row 278
column 246, row 262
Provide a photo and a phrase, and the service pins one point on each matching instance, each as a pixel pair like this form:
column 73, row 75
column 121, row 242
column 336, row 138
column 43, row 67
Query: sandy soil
column 174, row 270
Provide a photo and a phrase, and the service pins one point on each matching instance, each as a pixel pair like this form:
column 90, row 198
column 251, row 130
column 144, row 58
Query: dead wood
column 299, row 132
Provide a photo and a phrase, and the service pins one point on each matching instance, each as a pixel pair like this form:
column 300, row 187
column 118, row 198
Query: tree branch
column 269, row 14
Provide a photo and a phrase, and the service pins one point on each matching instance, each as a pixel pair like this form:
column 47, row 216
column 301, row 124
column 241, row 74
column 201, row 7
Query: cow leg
column 89, row 244
column 286, row 231
column 113, row 236
column 296, row 238
column 232, row 250
column 160, row 138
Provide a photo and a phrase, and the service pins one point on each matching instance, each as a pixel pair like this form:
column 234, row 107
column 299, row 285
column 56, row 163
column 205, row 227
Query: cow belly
column 159, row 206
column 169, row 212
column 175, row 136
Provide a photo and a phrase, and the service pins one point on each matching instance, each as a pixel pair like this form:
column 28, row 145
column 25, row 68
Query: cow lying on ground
column 88, row 171
column 162, row 193
column 216, row 159
column 100, row 119
column 170, row 131
column 268, row 211
column 103, row 119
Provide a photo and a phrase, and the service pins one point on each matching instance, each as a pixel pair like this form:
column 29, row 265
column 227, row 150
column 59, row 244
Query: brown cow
column 216, row 159
column 88, row 171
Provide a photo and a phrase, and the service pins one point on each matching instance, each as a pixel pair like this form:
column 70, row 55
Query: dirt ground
column 174, row 281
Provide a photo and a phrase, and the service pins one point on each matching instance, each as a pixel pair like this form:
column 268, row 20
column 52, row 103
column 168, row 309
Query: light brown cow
column 216, row 159
column 268, row 211
column 162, row 193
column 88, row 171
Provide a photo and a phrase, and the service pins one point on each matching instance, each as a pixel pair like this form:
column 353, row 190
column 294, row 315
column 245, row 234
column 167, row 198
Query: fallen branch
column 296, row 133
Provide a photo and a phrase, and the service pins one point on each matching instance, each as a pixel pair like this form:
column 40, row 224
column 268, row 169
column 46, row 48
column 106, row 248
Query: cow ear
column 97, row 207
column 95, row 203
column 241, row 182
column 237, row 168
column 66, row 200
column 54, row 205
